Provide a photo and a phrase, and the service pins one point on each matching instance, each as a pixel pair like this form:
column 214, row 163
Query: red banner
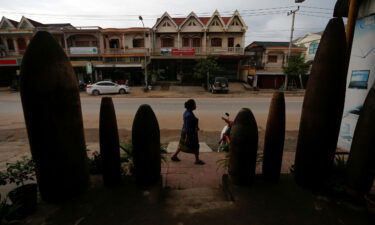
column 183, row 51
column 8, row 62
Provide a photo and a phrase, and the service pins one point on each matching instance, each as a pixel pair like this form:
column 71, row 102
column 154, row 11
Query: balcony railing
column 198, row 51
column 4, row 53
column 126, row 51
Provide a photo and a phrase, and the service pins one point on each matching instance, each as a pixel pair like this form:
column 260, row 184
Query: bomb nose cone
column 45, row 64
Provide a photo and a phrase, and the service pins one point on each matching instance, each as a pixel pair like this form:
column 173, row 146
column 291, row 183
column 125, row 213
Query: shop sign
column 166, row 52
column 8, row 62
column 83, row 50
column 183, row 51
column 89, row 68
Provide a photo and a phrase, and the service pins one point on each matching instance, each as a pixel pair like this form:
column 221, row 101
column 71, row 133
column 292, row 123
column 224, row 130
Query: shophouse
column 311, row 42
column 177, row 44
column 265, row 61
column 95, row 53
column 14, row 38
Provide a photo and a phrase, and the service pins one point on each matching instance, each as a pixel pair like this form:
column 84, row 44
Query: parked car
column 219, row 84
column 106, row 87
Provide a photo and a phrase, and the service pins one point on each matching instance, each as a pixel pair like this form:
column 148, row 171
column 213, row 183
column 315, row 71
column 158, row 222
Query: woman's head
column 190, row 105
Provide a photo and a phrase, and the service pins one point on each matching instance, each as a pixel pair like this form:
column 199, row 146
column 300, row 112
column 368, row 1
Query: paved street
column 168, row 111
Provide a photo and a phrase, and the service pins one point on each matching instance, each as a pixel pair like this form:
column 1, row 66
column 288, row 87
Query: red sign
column 8, row 62
column 183, row 51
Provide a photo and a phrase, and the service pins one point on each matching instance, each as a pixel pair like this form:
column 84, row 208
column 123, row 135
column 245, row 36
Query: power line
column 312, row 7
column 305, row 14
column 316, row 12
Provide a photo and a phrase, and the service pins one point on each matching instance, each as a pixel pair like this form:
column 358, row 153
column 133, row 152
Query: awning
column 119, row 65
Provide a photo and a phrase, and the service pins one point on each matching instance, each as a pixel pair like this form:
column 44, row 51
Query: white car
column 106, row 87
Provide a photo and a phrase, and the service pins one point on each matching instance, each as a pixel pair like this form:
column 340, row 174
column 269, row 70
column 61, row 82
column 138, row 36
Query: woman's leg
column 176, row 153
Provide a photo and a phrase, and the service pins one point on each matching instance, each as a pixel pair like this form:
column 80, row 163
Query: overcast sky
column 267, row 20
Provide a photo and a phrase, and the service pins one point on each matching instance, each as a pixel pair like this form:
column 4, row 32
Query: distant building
column 171, row 48
column 310, row 42
column 95, row 53
column 265, row 61
column 179, row 42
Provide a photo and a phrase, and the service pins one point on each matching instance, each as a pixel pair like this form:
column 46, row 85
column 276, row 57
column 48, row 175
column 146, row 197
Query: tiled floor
column 185, row 174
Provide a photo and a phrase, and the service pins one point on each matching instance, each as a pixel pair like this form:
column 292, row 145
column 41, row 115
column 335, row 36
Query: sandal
column 175, row 159
column 199, row 162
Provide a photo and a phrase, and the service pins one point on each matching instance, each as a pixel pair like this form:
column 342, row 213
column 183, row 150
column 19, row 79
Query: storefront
column 9, row 72
column 133, row 73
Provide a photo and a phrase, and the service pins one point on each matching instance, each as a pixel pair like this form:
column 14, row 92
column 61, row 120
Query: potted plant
column 24, row 195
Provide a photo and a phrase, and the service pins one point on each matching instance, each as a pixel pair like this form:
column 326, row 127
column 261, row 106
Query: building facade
column 264, row 63
column 169, row 50
column 310, row 42
column 95, row 53
column 177, row 44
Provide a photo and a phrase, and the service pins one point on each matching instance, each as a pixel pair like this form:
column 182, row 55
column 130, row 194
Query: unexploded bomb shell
column 322, row 109
column 109, row 143
column 361, row 162
column 243, row 148
column 52, row 110
column 274, row 139
column 146, row 146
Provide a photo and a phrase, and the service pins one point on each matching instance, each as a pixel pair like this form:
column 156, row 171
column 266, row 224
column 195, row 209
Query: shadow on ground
column 284, row 203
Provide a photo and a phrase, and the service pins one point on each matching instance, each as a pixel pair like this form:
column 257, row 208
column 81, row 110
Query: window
column 215, row 23
column 235, row 23
column 313, row 47
column 82, row 43
column 138, row 43
column 114, row 43
column 166, row 24
column 192, row 23
column 230, row 42
column 185, row 42
column 21, row 44
column 134, row 59
column 216, row 42
column 196, row 42
column 10, row 44
column 272, row 58
column 167, row 42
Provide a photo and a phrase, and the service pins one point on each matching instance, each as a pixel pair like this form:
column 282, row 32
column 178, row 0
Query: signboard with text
column 8, row 62
column 83, row 50
column 183, row 52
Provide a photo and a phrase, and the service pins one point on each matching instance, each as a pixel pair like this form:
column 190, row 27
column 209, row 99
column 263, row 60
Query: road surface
column 168, row 111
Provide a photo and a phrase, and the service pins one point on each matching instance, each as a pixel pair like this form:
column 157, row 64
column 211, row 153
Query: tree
column 206, row 68
column 296, row 68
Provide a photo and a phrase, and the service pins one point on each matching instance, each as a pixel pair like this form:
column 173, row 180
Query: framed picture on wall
column 359, row 79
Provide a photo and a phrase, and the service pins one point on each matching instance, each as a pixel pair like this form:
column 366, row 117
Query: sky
column 267, row 20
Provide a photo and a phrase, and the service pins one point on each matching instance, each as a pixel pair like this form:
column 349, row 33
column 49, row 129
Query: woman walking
column 189, row 142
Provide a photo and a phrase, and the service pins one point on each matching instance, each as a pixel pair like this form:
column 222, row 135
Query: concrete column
column 178, row 40
column 204, row 42
column 123, row 41
column 15, row 45
column 66, row 44
column 5, row 44
column 101, row 43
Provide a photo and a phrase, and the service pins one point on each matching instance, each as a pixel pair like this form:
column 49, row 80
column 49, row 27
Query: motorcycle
column 225, row 134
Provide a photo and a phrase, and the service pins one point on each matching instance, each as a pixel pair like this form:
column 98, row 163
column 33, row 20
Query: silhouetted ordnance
column 52, row 110
column 274, row 139
column 322, row 109
column 243, row 148
column 109, row 143
column 361, row 161
column 146, row 147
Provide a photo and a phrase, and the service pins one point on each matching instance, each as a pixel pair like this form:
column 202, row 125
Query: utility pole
column 144, row 43
column 292, row 12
